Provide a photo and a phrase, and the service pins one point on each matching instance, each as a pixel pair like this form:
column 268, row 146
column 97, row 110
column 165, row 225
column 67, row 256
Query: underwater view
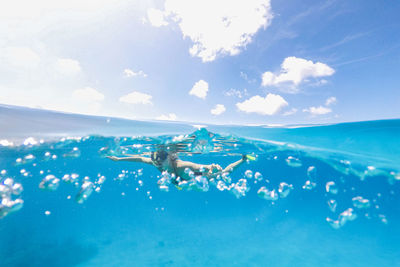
column 323, row 195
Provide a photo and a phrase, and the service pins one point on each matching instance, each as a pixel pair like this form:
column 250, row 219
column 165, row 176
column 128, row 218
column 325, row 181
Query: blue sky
column 246, row 62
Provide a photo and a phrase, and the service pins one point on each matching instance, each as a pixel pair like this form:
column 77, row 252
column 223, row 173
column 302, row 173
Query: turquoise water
column 323, row 195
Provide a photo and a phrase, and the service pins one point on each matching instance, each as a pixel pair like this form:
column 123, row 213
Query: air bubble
column 248, row 174
column 258, row 176
column 332, row 205
column 360, row 202
column 331, row 188
column 240, row 188
column 84, row 192
column 284, row 189
column 50, row 182
column 293, row 162
column 264, row 193
column 312, row 173
column 309, row 185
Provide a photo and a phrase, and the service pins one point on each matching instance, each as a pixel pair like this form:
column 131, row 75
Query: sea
column 307, row 195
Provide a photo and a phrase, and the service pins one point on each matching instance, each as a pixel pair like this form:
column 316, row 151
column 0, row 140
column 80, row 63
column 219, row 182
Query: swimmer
column 165, row 161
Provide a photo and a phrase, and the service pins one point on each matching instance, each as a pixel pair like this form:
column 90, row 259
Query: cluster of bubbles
column 164, row 181
column 359, row 204
column 126, row 174
column 345, row 216
column 201, row 183
column 196, row 182
column 283, row 191
column 86, row 187
column 8, row 190
column 241, row 187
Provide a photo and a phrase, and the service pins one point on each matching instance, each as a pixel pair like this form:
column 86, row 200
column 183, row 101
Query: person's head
column 159, row 157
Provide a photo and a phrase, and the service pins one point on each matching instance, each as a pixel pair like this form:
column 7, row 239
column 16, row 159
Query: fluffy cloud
column 68, row 66
column 269, row 105
column 169, row 117
column 130, row 73
column 88, row 94
column 156, row 17
column 221, row 27
column 295, row 71
column 218, row 109
column 32, row 39
column 199, row 89
column 318, row 110
column 330, row 101
column 136, row 98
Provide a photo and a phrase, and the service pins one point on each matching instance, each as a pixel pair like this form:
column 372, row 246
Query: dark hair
column 161, row 155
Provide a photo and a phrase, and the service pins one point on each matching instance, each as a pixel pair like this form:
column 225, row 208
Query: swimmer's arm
column 231, row 167
column 132, row 159
column 180, row 164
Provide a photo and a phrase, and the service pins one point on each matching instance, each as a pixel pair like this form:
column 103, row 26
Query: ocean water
column 326, row 195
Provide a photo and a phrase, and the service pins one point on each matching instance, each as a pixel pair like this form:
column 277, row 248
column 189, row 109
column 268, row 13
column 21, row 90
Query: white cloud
column 318, row 110
column 330, row 101
column 68, row 66
column 20, row 56
column 199, row 89
column 169, row 117
column 136, row 98
column 290, row 112
column 88, row 94
column 295, row 71
column 218, row 109
column 246, row 77
column 34, row 35
column 130, row 73
column 234, row 92
column 216, row 28
column 269, row 105
column 156, row 17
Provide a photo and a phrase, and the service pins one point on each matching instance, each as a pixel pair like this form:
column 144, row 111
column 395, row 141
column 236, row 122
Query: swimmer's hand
column 113, row 158
column 248, row 157
column 214, row 168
